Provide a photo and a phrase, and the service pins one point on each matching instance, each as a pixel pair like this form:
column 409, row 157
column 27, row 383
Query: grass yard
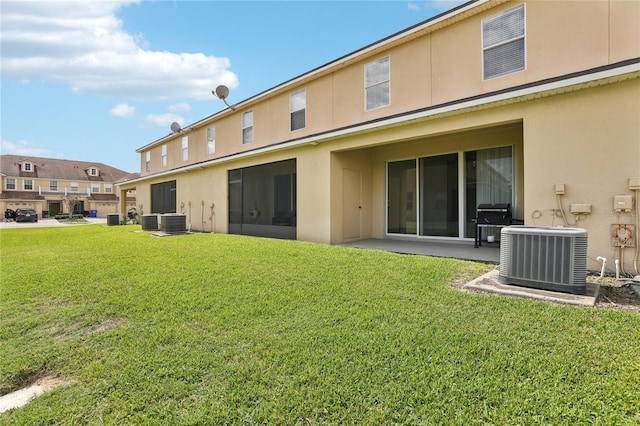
column 221, row 329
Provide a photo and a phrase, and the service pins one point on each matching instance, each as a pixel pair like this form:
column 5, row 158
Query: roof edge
column 516, row 93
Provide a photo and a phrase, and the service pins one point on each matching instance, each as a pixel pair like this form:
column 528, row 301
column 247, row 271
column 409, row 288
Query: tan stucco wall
column 589, row 141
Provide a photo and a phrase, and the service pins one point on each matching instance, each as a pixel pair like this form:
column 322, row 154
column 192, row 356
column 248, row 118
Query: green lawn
column 220, row 329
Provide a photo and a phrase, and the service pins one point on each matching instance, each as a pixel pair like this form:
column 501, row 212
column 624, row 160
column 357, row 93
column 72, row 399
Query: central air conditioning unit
column 173, row 223
column 150, row 222
column 545, row 258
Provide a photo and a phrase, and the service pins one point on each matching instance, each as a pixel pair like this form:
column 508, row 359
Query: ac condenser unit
column 150, row 222
column 544, row 258
column 172, row 223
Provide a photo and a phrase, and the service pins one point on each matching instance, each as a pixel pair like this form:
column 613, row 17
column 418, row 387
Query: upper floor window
column 185, row 148
column 27, row 184
column 74, row 187
column 503, row 43
column 95, row 188
column 211, row 139
column 27, row 167
column 53, row 185
column 247, row 127
column 93, row 171
column 376, row 84
column 164, row 156
column 108, row 189
column 298, row 109
column 11, row 183
column 147, row 161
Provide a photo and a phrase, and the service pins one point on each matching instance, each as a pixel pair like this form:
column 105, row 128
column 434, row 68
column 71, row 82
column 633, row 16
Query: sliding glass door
column 425, row 195
column 439, row 196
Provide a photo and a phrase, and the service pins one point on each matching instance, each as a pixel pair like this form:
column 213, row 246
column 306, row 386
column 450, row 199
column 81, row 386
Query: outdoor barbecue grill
column 492, row 215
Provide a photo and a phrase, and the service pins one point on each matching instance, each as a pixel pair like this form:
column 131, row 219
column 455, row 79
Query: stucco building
column 45, row 184
column 531, row 103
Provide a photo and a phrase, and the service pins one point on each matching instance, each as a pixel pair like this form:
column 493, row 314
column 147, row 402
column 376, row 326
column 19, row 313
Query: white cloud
column 180, row 107
column 26, row 148
column 123, row 110
column 83, row 45
column 164, row 120
column 435, row 6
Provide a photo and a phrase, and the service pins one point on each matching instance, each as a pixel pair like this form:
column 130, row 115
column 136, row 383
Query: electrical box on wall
column 634, row 183
column 581, row 208
column 559, row 188
column 622, row 203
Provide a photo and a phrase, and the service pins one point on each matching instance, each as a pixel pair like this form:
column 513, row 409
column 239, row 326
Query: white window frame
column 93, row 171
column 247, row 127
column 164, row 155
column 507, row 40
column 26, row 183
column 185, row 148
column 374, row 84
column 28, row 167
column 53, row 185
column 211, row 140
column 74, row 187
column 95, row 188
column 297, row 103
column 10, row 184
column 108, row 188
column 147, row 161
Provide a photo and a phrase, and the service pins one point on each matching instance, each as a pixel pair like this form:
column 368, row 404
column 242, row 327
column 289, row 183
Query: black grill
column 494, row 214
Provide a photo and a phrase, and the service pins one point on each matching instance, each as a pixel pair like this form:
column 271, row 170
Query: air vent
column 544, row 258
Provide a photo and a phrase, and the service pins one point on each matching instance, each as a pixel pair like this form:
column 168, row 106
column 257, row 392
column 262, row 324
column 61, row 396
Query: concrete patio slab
column 489, row 283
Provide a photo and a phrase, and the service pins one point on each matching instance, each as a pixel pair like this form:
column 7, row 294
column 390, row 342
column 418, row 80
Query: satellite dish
column 222, row 92
column 175, row 127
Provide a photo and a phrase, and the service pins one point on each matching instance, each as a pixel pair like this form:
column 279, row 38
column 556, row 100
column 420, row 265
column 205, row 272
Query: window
column 503, row 43
column 211, row 139
column 185, row 148
column 11, row 183
column 247, row 127
column 298, row 109
column 108, row 189
column 74, row 187
column 93, row 171
column 376, row 84
column 147, row 161
column 95, row 188
column 53, row 185
column 164, row 156
column 163, row 197
column 28, row 167
column 28, row 184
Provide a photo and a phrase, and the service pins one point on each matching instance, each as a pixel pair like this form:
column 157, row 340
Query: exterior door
column 54, row 208
column 351, row 204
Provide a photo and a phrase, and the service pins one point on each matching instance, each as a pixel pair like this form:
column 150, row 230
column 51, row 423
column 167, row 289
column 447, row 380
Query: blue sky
column 94, row 80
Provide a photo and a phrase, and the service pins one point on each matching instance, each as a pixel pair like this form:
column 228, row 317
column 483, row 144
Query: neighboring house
column 47, row 185
column 531, row 103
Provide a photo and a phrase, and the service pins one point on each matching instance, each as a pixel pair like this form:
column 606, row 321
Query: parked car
column 9, row 215
column 26, row 215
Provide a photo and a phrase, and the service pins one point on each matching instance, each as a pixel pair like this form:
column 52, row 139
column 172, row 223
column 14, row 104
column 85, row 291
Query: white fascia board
column 477, row 102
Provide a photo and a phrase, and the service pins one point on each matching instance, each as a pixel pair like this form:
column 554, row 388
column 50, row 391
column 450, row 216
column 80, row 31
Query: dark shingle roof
column 53, row 168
